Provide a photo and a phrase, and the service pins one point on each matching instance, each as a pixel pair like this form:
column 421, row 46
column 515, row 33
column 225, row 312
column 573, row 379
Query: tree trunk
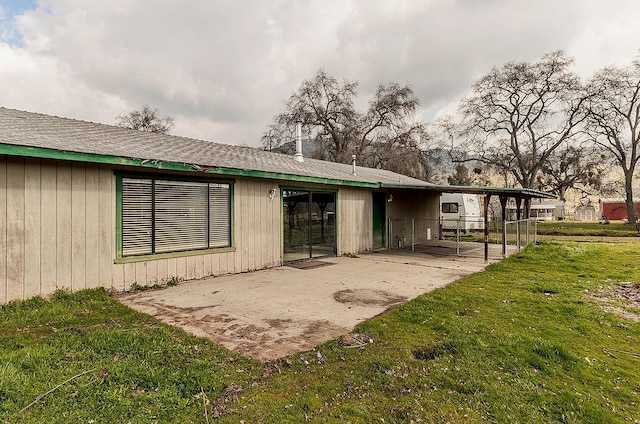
column 628, row 187
column 562, row 193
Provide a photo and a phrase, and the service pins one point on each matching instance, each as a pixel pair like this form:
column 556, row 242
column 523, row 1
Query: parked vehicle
column 459, row 211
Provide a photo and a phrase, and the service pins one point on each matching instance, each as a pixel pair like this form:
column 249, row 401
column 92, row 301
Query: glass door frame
column 310, row 202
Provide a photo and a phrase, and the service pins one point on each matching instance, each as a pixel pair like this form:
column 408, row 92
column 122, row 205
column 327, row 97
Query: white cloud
column 223, row 69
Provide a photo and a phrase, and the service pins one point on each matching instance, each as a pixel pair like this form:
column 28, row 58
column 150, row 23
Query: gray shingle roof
column 21, row 128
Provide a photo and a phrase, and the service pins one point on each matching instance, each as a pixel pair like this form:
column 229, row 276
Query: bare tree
column 146, row 119
column 325, row 107
column 614, row 118
column 573, row 167
column 388, row 132
column 518, row 115
column 385, row 136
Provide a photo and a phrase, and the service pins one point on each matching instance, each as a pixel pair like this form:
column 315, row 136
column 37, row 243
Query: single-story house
column 86, row 205
column 544, row 210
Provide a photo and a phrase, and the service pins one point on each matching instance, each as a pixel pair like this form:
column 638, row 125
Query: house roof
column 29, row 134
column 38, row 135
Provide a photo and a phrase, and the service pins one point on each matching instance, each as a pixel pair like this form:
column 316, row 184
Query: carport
column 276, row 312
column 521, row 197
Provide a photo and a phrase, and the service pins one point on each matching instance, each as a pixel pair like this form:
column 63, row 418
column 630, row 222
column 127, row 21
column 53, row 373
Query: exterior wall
column 58, row 226
column 417, row 206
column 585, row 213
column 355, row 220
column 617, row 210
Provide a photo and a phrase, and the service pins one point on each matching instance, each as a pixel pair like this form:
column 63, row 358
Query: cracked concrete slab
column 276, row 312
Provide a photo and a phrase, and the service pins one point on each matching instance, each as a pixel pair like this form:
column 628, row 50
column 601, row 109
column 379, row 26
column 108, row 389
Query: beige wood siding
column 3, row 231
column 58, row 227
column 15, row 230
column 58, row 231
column 355, row 220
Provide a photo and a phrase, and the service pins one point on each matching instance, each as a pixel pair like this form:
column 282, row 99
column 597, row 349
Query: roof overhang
column 485, row 191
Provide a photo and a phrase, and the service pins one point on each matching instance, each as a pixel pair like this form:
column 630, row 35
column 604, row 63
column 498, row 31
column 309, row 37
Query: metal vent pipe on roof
column 298, row 156
column 353, row 164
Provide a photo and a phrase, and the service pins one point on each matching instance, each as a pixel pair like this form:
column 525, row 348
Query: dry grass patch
column 622, row 299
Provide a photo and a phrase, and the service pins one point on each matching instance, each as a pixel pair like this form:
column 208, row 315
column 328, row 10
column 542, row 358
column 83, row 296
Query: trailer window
column 449, row 208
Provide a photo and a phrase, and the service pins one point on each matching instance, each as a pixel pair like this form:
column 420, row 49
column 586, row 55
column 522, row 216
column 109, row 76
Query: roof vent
column 298, row 156
column 353, row 165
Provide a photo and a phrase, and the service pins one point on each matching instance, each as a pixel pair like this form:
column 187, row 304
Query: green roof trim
column 44, row 153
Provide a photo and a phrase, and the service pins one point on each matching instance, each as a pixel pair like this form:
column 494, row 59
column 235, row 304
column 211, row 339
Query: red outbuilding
column 616, row 209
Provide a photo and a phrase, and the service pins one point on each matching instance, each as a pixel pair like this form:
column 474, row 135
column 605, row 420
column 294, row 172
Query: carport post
column 503, row 206
column 413, row 234
column 518, row 216
column 458, row 236
column 487, row 197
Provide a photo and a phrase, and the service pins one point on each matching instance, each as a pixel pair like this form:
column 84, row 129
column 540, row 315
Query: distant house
column 86, row 205
column 544, row 210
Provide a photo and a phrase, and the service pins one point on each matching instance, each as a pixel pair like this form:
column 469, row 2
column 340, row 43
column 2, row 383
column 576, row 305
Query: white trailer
column 459, row 211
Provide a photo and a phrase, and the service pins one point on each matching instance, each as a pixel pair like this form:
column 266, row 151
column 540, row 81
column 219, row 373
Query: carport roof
column 492, row 191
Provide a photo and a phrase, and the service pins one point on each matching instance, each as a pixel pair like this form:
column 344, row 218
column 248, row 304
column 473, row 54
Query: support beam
column 503, row 209
column 487, row 198
column 518, row 217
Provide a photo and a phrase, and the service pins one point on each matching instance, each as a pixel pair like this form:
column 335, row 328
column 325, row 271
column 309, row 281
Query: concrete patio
column 272, row 313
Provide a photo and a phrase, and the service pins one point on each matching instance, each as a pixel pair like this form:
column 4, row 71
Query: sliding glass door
column 309, row 224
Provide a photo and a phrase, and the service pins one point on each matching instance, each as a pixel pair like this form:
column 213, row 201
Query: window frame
column 449, row 204
column 121, row 258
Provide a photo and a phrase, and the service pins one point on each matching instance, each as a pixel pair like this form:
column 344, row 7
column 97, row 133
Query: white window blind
column 161, row 216
column 219, row 216
column 137, row 212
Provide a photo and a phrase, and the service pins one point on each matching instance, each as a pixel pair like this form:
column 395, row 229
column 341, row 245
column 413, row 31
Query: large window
column 162, row 216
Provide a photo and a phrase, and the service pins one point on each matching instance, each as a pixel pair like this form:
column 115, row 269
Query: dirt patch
column 368, row 297
column 288, row 338
column 630, row 292
column 622, row 300
column 278, row 323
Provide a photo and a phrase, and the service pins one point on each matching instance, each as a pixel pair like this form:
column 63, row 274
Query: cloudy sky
column 223, row 68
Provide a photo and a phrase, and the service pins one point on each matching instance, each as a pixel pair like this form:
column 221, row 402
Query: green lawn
column 524, row 341
column 579, row 228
